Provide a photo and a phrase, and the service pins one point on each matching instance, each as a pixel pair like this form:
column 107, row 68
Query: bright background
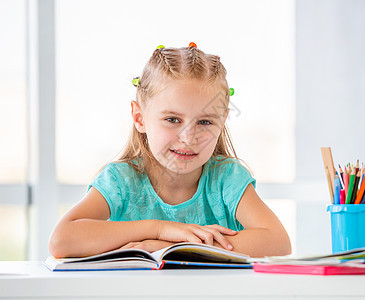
column 66, row 66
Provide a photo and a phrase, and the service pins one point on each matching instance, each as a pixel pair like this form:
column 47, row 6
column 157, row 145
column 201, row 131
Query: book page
column 109, row 256
column 199, row 253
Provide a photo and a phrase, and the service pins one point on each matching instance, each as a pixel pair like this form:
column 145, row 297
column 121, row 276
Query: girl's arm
column 84, row 230
column 264, row 235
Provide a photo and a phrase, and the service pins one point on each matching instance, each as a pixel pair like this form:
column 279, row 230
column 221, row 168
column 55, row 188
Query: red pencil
column 342, row 197
column 346, row 181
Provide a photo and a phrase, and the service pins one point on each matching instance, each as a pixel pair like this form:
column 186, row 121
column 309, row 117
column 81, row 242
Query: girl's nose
column 188, row 135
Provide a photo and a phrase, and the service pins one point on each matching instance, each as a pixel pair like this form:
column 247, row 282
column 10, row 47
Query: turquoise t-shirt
column 131, row 197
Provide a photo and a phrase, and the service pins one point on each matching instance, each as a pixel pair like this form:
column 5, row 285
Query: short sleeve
column 234, row 185
column 108, row 185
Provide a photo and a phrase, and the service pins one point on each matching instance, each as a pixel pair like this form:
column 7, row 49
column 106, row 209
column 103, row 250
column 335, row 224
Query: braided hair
column 176, row 64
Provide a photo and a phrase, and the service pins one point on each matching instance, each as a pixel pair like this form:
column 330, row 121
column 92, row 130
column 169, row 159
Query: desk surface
column 25, row 280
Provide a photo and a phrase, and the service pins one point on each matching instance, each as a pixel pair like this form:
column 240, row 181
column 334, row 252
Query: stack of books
column 342, row 263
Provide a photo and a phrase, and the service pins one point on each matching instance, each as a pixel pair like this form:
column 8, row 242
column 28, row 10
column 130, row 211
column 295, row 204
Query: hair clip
column 231, row 91
column 135, row 81
column 160, row 46
column 219, row 58
column 192, row 44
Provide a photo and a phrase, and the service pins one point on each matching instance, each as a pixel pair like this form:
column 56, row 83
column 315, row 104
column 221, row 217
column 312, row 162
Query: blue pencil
column 336, row 194
column 341, row 177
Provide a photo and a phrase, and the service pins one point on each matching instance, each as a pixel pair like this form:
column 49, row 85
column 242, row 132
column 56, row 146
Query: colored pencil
column 362, row 173
column 342, row 197
column 360, row 193
column 363, row 199
column 356, row 187
column 346, row 181
column 351, row 187
column 341, row 176
column 337, row 189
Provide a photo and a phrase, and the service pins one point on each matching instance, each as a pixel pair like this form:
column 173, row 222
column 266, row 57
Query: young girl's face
column 183, row 124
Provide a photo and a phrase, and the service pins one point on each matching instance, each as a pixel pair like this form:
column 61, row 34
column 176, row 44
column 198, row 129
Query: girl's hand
column 181, row 232
column 148, row 245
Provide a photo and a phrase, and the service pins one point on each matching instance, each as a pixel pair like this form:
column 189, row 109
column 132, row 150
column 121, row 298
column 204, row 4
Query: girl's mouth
column 183, row 154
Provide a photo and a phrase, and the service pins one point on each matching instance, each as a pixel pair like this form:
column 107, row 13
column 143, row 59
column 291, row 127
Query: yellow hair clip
column 135, row 81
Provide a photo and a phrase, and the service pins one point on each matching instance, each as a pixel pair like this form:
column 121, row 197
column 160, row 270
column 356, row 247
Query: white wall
column 330, row 102
column 330, row 78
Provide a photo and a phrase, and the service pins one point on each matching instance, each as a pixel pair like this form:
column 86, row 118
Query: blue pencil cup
column 347, row 226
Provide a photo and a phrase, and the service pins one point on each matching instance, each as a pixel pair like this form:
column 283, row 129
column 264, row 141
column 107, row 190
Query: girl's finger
column 224, row 242
column 205, row 235
column 192, row 238
column 220, row 239
column 222, row 229
column 127, row 246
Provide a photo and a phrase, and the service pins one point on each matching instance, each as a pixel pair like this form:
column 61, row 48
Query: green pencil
column 351, row 187
column 356, row 187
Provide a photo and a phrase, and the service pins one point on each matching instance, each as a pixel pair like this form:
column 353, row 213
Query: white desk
column 31, row 280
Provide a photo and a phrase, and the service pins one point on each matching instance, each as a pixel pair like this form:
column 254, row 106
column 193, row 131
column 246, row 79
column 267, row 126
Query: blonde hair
column 176, row 64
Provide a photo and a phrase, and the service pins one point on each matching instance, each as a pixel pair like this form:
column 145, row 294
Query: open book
column 178, row 255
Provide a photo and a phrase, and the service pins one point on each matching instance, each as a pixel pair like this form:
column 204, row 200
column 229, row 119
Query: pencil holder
column 347, row 226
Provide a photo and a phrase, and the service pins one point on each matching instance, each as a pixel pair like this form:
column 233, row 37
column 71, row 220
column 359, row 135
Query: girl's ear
column 137, row 117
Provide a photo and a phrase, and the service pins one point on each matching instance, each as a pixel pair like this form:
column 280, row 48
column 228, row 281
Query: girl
column 178, row 179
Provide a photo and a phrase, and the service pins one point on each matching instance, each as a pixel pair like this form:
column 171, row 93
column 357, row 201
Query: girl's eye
column 172, row 120
column 204, row 122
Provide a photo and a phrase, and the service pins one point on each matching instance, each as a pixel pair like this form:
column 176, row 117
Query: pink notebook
column 308, row 269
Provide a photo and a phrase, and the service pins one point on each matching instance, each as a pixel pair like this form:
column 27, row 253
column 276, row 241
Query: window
column 13, row 134
column 13, row 130
column 102, row 45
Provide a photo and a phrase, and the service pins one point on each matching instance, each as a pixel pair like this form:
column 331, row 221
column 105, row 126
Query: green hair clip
column 231, row 91
column 135, row 81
